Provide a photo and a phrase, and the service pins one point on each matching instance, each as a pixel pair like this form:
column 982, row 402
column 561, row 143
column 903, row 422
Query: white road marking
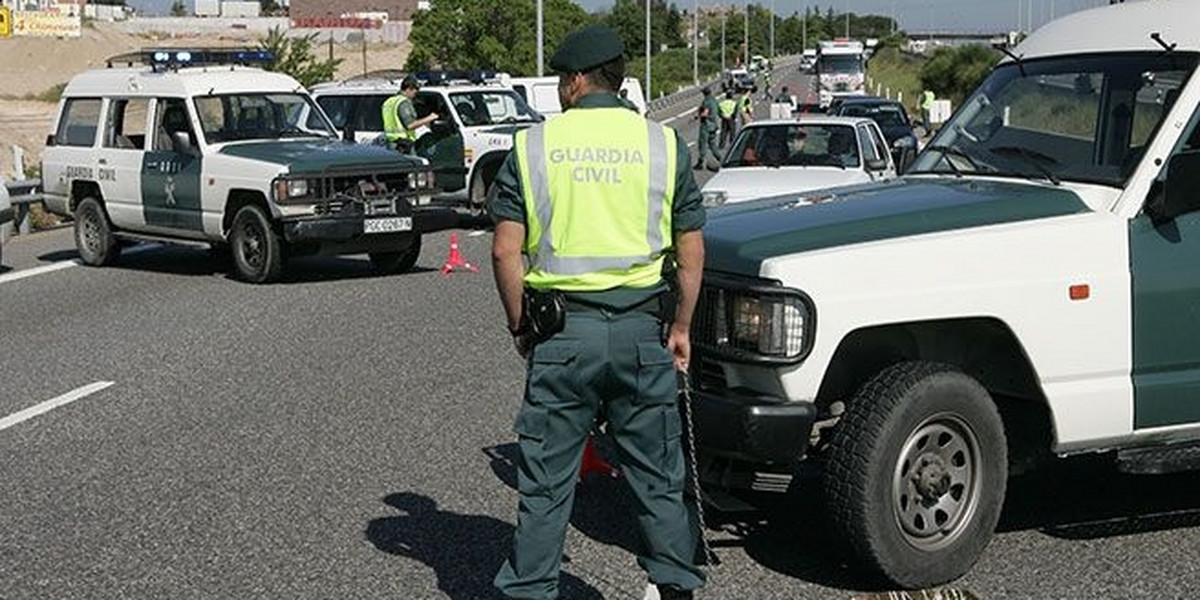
column 680, row 115
column 23, row 273
column 66, row 264
column 50, row 405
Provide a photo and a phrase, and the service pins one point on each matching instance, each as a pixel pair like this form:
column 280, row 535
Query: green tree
column 955, row 72
column 628, row 19
column 489, row 34
column 296, row 57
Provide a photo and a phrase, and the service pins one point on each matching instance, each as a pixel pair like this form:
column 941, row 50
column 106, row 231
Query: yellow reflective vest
column 393, row 128
column 598, row 188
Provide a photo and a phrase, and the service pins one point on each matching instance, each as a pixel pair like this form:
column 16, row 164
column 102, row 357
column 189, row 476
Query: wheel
column 481, row 190
column 257, row 249
column 93, row 234
column 390, row 263
column 916, row 472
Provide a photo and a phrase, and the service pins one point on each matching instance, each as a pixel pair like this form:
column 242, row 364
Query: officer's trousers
column 707, row 144
column 612, row 364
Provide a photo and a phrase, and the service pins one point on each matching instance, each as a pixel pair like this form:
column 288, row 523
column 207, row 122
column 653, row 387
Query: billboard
column 46, row 24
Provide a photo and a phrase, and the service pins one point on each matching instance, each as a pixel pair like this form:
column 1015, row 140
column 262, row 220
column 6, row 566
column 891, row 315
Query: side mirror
column 181, row 142
column 877, row 164
column 442, row 126
column 1181, row 190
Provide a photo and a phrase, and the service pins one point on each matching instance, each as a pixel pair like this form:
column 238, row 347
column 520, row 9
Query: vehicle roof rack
column 161, row 59
column 451, row 77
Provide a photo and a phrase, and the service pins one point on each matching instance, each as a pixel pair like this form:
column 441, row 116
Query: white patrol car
column 191, row 146
column 478, row 116
column 1027, row 289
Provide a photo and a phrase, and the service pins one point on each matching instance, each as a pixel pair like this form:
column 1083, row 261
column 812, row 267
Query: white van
column 542, row 93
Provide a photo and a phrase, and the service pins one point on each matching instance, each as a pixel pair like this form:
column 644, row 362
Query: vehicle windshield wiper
column 947, row 151
column 1029, row 157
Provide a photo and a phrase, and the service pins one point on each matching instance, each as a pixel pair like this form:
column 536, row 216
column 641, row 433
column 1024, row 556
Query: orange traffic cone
column 592, row 463
column 456, row 260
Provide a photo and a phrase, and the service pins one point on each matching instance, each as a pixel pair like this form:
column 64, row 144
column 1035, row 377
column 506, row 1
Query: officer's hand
column 679, row 342
column 524, row 344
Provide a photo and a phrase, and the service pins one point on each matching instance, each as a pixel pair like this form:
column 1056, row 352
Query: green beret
column 585, row 49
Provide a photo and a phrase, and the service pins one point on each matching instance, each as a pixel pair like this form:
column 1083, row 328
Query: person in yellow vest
column 927, row 99
column 400, row 121
column 596, row 212
column 726, row 109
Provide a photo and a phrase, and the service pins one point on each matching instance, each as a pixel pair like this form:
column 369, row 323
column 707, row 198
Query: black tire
column 390, row 263
column 916, row 474
column 93, row 234
column 257, row 249
column 481, row 190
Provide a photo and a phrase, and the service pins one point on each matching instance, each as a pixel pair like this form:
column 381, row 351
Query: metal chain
column 710, row 559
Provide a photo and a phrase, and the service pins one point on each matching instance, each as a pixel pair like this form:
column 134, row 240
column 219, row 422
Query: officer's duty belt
column 651, row 306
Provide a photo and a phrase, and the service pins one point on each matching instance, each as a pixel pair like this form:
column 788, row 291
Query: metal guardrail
column 23, row 193
column 691, row 95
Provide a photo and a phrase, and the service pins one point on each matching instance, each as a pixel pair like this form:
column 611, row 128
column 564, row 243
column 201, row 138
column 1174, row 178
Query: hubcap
column 91, row 232
column 935, row 486
column 251, row 244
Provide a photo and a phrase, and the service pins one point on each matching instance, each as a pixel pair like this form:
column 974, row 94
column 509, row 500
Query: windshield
column 886, row 115
column 794, row 145
column 839, row 63
column 1084, row 119
column 235, row 117
column 488, row 107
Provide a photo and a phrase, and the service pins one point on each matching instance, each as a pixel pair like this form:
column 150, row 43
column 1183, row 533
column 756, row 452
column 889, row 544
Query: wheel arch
column 234, row 202
column 83, row 188
column 984, row 348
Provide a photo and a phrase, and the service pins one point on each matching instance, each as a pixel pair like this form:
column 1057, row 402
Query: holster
column 545, row 311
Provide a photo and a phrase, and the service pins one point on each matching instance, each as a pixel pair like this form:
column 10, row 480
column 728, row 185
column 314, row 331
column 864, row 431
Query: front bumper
column 751, row 428
column 346, row 226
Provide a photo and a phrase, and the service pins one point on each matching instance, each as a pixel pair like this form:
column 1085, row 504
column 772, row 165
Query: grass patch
column 40, row 219
column 895, row 73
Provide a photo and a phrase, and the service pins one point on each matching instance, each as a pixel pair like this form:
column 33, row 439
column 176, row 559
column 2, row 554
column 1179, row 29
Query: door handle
column 103, row 161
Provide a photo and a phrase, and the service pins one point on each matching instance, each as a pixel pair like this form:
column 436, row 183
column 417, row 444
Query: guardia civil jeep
column 197, row 146
column 1028, row 288
column 478, row 115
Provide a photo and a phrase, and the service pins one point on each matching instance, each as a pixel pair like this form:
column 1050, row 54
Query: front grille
column 365, row 186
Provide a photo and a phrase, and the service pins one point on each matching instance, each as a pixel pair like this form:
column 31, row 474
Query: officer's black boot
column 667, row 592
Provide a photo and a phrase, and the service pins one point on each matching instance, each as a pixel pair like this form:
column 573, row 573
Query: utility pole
column 695, row 42
column 649, row 90
column 746, row 37
column 540, row 33
column 804, row 29
column 724, row 18
column 772, row 54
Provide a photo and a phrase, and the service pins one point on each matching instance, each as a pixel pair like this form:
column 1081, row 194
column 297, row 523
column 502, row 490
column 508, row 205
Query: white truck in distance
column 1027, row 290
column 841, row 70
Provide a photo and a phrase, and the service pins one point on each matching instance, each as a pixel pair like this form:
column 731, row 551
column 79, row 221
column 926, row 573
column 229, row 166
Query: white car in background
column 777, row 157
column 542, row 93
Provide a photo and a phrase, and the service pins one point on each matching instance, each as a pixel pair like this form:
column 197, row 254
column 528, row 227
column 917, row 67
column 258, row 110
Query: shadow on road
column 464, row 551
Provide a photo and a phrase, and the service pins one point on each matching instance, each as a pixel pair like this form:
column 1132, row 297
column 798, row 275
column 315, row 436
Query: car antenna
column 1017, row 59
column 1156, row 36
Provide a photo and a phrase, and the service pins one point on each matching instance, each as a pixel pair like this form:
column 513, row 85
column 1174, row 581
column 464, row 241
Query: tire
column 916, row 474
column 257, row 249
column 389, row 263
column 93, row 234
column 481, row 190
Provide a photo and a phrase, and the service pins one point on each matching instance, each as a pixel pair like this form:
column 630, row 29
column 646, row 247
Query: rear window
column 80, row 120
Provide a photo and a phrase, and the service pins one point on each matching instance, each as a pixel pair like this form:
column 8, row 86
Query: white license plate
column 387, row 225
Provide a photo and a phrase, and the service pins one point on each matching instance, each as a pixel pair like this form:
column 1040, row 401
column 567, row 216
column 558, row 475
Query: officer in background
column 596, row 201
column 707, row 143
column 400, row 122
column 726, row 109
column 927, row 99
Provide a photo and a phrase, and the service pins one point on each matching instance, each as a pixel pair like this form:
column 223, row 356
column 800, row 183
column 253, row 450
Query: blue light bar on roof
column 184, row 57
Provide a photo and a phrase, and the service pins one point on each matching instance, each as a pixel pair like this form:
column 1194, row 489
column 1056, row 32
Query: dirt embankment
column 32, row 67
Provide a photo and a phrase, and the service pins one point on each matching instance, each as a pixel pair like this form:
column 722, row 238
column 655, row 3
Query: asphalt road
column 346, row 435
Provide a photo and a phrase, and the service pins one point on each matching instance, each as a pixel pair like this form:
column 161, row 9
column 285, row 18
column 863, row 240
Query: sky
column 987, row 16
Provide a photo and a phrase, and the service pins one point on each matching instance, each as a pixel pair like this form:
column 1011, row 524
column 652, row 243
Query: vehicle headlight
column 758, row 324
column 714, row 198
column 905, row 142
column 290, row 188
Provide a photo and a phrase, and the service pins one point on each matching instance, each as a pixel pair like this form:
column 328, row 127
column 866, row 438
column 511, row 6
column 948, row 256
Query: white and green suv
column 466, row 145
column 191, row 146
column 1029, row 288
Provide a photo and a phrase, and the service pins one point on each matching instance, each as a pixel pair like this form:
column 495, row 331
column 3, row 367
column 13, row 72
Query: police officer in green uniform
column 400, row 122
column 707, row 142
column 596, row 201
